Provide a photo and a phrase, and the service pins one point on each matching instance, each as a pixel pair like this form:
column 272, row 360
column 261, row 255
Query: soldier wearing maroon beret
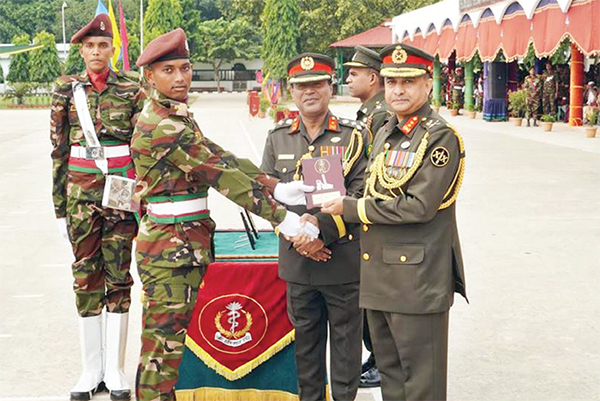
column 93, row 114
column 411, row 261
column 175, row 161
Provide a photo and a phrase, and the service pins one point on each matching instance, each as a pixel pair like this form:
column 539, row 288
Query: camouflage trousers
column 169, row 298
column 101, row 240
column 531, row 108
column 548, row 103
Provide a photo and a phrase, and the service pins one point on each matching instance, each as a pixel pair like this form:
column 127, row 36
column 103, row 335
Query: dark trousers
column 412, row 354
column 310, row 308
column 368, row 343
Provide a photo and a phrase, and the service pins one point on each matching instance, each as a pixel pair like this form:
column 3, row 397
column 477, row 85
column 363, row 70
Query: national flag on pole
column 116, row 37
column 101, row 8
column 124, row 40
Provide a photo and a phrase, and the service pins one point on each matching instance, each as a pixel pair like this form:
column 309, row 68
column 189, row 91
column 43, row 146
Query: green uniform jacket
column 113, row 113
column 411, row 259
column 377, row 109
column 175, row 161
column 286, row 143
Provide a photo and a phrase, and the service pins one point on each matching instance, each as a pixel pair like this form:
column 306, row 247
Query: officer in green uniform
column 101, row 237
column 175, row 165
column 411, row 259
column 365, row 83
column 323, row 277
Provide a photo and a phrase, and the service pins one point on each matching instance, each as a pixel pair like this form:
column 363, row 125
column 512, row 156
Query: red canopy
column 380, row 36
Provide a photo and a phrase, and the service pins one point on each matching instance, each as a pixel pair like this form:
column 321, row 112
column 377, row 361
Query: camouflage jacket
column 284, row 148
column 175, row 161
column 113, row 112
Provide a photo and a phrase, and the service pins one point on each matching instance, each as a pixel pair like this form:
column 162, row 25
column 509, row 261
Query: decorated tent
column 455, row 30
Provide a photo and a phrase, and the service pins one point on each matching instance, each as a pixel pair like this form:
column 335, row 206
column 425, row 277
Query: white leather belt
column 178, row 208
column 78, row 152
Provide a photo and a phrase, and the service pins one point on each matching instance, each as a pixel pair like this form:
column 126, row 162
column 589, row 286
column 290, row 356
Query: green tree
column 250, row 9
column 1, row 76
column 161, row 17
column 74, row 63
column 19, row 63
column 134, row 50
column 280, row 35
column 44, row 65
column 223, row 41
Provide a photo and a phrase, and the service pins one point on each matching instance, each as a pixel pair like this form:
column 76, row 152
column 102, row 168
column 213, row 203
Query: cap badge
column 187, row 46
column 307, row 63
column 399, row 55
column 102, row 27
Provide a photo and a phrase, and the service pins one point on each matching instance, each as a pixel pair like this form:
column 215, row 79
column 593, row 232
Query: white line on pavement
column 252, row 147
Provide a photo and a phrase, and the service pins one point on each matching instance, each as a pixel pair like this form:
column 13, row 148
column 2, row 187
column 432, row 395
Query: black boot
column 371, row 378
column 87, row 395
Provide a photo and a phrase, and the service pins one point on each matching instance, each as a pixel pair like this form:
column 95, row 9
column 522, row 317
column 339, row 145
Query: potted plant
column 454, row 107
column 546, row 122
column 435, row 105
column 592, row 120
column 516, row 106
column 263, row 105
column 471, row 112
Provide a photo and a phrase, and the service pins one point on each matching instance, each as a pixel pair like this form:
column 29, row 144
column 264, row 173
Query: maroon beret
column 170, row 46
column 99, row 26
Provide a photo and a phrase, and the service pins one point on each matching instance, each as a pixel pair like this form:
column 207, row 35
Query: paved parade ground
column 528, row 215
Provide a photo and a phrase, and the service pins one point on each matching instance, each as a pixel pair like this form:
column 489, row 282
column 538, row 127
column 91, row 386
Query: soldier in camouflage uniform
column 458, row 84
column 533, row 87
column 175, row 165
column 101, row 237
column 365, row 83
column 322, row 277
column 550, row 90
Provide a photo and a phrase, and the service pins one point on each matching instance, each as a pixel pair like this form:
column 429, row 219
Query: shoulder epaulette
column 65, row 81
column 131, row 75
column 283, row 123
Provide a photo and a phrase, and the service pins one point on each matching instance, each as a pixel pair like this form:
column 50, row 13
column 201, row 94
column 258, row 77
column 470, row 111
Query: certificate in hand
column 325, row 174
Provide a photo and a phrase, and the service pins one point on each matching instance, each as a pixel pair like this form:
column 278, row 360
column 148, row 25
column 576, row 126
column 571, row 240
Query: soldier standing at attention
column 322, row 277
column 532, row 86
column 365, row 83
column 98, row 106
column 411, row 259
column 550, row 90
column 175, row 165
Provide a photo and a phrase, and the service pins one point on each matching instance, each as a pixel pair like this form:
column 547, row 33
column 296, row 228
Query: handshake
column 302, row 231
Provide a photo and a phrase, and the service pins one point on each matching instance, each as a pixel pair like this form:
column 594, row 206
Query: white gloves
column 290, row 226
column 62, row 227
column 292, row 193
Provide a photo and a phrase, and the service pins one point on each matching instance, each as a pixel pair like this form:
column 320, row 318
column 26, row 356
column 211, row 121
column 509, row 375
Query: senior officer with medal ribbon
column 411, row 261
column 322, row 276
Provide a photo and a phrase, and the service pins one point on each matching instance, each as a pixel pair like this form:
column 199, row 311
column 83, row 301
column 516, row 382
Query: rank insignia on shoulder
column 440, row 156
column 430, row 123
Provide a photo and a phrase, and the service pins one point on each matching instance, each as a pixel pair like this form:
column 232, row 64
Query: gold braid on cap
column 307, row 155
column 453, row 190
column 379, row 174
column 355, row 148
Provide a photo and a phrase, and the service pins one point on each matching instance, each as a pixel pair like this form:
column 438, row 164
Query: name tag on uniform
column 283, row 156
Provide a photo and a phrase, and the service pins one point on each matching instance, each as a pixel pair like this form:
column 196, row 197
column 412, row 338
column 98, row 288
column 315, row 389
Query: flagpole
column 141, row 25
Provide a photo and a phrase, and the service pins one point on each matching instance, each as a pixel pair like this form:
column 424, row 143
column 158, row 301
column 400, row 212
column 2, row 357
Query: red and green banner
column 240, row 340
